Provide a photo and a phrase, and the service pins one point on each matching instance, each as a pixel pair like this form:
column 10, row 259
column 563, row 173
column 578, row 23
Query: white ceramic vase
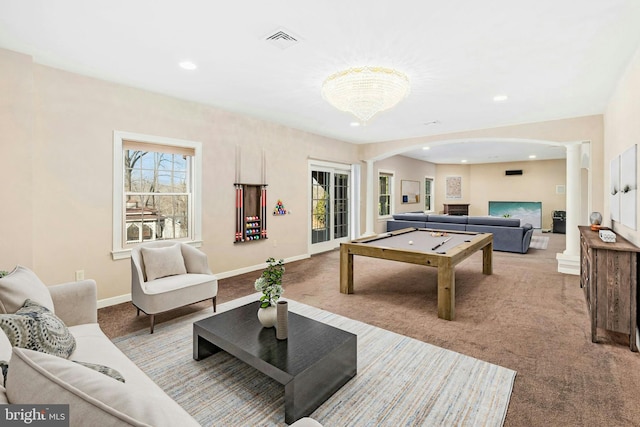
column 268, row 316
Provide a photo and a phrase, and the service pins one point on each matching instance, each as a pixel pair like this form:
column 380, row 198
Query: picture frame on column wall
column 614, row 189
column 628, row 187
column 623, row 188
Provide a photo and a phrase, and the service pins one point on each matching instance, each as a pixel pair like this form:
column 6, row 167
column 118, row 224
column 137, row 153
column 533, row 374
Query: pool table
column 443, row 249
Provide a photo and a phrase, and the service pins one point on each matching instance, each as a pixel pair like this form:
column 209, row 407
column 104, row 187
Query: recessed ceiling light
column 500, row 98
column 463, row 161
column 533, row 156
column 187, row 65
column 354, row 124
column 426, row 148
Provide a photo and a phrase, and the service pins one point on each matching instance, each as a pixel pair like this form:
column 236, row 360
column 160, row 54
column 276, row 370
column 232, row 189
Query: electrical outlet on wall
column 79, row 275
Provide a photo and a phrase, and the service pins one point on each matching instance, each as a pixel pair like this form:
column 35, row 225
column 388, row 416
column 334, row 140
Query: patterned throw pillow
column 4, row 367
column 110, row 372
column 34, row 327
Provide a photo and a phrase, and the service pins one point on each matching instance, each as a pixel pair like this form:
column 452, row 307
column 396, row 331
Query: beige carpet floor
column 526, row 317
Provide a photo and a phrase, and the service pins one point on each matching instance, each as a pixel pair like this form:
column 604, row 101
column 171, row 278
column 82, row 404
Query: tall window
column 156, row 191
column 428, row 194
column 341, row 205
column 384, row 193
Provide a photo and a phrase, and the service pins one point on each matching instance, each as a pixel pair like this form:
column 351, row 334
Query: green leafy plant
column 3, row 273
column 506, row 215
column 270, row 282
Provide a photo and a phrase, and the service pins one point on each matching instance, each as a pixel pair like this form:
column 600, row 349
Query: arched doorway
column 578, row 185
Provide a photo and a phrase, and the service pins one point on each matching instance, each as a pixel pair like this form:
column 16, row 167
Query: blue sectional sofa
column 508, row 234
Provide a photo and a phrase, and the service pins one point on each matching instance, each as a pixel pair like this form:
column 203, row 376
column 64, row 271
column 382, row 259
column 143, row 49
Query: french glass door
column 330, row 207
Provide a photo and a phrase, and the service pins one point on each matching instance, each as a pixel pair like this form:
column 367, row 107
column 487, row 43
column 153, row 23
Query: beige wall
column 403, row 168
column 480, row 184
column 536, row 184
column 622, row 130
column 58, row 134
column 16, row 172
column 444, row 171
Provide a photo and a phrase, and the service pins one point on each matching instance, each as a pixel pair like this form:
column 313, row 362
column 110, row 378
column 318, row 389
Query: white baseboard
column 102, row 303
column 568, row 264
column 224, row 275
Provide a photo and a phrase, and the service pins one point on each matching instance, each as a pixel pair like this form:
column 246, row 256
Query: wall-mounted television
column 526, row 212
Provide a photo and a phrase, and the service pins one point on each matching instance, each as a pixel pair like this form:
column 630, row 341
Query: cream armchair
column 167, row 275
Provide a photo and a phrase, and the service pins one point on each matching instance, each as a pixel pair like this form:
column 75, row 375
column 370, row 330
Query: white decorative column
column 569, row 260
column 369, row 203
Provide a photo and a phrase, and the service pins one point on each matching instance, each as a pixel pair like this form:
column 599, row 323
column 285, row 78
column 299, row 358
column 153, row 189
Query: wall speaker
column 513, row 172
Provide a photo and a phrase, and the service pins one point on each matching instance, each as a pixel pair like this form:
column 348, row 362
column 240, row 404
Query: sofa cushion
column 5, row 352
column 3, row 396
column 445, row 226
column 493, row 220
column 5, row 346
column 506, row 239
column 19, row 285
column 162, row 262
column 411, row 216
column 455, row 219
column 399, row 224
column 36, row 328
column 106, row 370
column 94, row 399
column 4, row 368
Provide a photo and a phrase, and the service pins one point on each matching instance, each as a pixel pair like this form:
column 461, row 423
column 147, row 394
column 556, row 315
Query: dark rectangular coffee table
column 312, row 364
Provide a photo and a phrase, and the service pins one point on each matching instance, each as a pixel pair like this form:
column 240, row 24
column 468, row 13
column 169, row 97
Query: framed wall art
column 410, row 191
column 454, row 187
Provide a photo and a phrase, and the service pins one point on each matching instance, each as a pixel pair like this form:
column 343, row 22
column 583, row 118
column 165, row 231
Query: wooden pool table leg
column 346, row 271
column 446, row 292
column 487, row 259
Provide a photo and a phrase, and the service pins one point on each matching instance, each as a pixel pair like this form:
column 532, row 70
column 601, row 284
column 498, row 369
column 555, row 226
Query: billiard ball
column 411, row 242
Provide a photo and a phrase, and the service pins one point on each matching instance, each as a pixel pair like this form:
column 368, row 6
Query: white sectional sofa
column 95, row 399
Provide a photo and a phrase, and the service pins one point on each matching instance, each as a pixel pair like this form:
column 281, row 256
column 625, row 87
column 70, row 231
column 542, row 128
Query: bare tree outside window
column 157, row 195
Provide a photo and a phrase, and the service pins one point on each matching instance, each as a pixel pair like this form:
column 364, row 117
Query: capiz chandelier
column 365, row 91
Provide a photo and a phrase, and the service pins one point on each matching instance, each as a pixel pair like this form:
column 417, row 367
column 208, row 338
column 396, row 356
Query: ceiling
column 553, row 59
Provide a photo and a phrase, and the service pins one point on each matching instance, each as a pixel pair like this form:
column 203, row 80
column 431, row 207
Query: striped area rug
column 539, row 242
column 400, row 381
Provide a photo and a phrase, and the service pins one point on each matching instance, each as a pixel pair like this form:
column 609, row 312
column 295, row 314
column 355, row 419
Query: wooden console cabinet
column 609, row 276
column 456, row 209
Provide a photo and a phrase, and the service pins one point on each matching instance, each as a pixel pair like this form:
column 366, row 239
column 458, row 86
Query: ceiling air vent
column 282, row 38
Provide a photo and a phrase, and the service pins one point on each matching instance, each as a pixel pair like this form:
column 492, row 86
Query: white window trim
column 391, row 195
column 118, row 249
column 433, row 193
